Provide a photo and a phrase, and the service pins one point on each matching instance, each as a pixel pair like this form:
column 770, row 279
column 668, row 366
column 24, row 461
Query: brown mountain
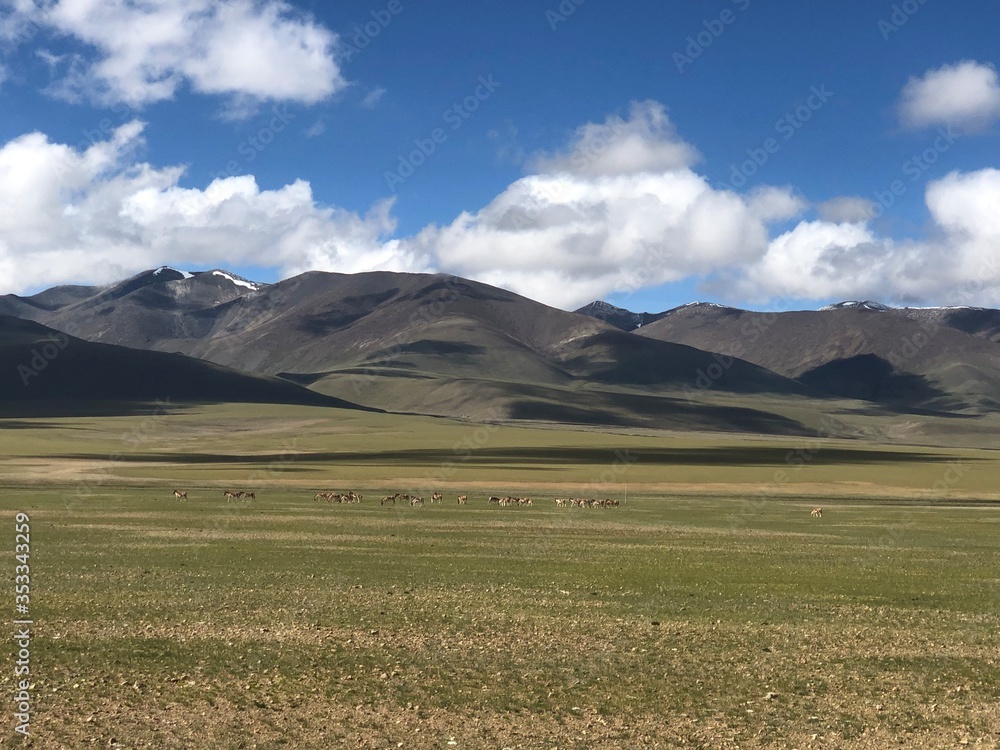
column 906, row 358
column 433, row 344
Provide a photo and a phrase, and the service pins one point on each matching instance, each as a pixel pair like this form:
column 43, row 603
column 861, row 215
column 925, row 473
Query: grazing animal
column 463, row 499
column 436, row 497
column 816, row 513
column 388, row 499
column 494, row 499
column 230, row 495
column 180, row 495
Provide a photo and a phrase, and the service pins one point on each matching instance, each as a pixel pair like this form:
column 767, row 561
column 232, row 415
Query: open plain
column 709, row 609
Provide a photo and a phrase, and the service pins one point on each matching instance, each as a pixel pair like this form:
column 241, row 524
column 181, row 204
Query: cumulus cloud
column 957, row 264
column 645, row 142
column 633, row 213
column 846, row 208
column 143, row 52
column 579, row 228
column 618, row 210
column 98, row 213
column 965, row 94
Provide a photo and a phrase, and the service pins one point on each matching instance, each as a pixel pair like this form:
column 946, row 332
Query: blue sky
column 623, row 134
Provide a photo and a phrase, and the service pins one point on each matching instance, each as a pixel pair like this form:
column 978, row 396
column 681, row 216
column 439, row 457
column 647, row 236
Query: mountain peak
column 858, row 305
column 619, row 317
column 172, row 273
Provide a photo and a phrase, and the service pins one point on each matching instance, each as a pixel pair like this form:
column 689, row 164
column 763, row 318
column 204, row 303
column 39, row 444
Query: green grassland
column 710, row 610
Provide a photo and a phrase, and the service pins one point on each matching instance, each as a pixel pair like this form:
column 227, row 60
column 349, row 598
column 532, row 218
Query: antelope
column 388, row 499
column 494, row 499
column 463, row 499
column 230, row 495
column 816, row 513
column 436, row 497
column 414, row 501
column 180, row 495
column 560, row 502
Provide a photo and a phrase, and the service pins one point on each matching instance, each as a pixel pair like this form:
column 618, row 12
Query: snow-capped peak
column 714, row 305
column 161, row 269
column 858, row 305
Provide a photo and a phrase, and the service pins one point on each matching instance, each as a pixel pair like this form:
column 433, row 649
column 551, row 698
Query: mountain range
column 442, row 345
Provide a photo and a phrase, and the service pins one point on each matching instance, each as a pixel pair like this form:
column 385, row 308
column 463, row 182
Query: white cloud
column 372, row 98
column 315, row 130
column 646, row 142
column 594, row 221
column 956, row 264
column 770, row 203
column 619, row 210
column 146, row 51
column 98, row 214
column 964, row 94
column 846, row 208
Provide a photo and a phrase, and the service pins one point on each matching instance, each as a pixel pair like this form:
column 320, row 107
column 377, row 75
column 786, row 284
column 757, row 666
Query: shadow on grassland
column 638, row 410
column 723, row 455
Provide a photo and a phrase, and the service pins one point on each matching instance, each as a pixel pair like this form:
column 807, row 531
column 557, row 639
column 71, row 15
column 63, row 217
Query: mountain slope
column 39, row 365
column 857, row 350
column 433, row 343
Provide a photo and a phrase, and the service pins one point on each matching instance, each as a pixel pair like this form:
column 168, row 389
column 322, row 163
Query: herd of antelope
column 437, row 497
column 337, row 497
column 503, row 502
column 576, row 502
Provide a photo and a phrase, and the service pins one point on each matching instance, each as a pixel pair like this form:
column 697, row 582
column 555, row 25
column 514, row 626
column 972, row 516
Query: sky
column 770, row 155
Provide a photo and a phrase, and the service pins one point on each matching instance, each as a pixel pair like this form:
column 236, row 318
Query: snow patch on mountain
column 161, row 269
column 858, row 305
column 238, row 280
